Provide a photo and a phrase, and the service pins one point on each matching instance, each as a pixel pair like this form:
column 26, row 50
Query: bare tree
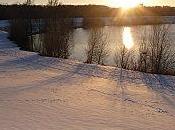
column 29, row 2
column 124, row 58
column 53, row 2
column 156, row 52
column 143, row 63
column 97, row 49
column 17, row 30
column 56, row 39
column 161, row 51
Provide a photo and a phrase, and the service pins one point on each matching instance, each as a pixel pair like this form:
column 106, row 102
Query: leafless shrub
column 143, row 55
column 97, row 49
column 29, row 2
column 53, row 2
column 161, row 54
column 56, row 38
column 156, row 53
column 124, row 58
column 20, row 31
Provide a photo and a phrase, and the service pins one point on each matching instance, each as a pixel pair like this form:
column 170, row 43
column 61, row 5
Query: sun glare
column 125, row 3
column 127, row 38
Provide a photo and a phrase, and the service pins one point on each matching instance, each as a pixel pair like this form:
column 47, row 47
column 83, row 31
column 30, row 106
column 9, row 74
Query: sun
column 125, row 3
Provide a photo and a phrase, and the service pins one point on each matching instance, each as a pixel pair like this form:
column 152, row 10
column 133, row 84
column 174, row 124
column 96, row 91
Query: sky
column 114, row 3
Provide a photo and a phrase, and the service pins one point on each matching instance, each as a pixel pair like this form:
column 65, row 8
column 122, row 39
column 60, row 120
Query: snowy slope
column 42, row 93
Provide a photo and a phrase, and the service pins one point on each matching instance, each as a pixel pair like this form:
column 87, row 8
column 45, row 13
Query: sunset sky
column 114, row 3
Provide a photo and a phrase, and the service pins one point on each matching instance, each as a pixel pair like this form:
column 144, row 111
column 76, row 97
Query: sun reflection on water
column 127, row 38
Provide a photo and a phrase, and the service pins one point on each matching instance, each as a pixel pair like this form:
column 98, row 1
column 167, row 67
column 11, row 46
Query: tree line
column 46, row 11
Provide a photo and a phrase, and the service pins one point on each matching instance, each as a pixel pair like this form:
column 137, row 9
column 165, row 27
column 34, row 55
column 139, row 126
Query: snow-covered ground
column 44, row 93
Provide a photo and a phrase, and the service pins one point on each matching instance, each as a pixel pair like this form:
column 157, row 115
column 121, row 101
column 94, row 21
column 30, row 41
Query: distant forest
column 45, row 11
